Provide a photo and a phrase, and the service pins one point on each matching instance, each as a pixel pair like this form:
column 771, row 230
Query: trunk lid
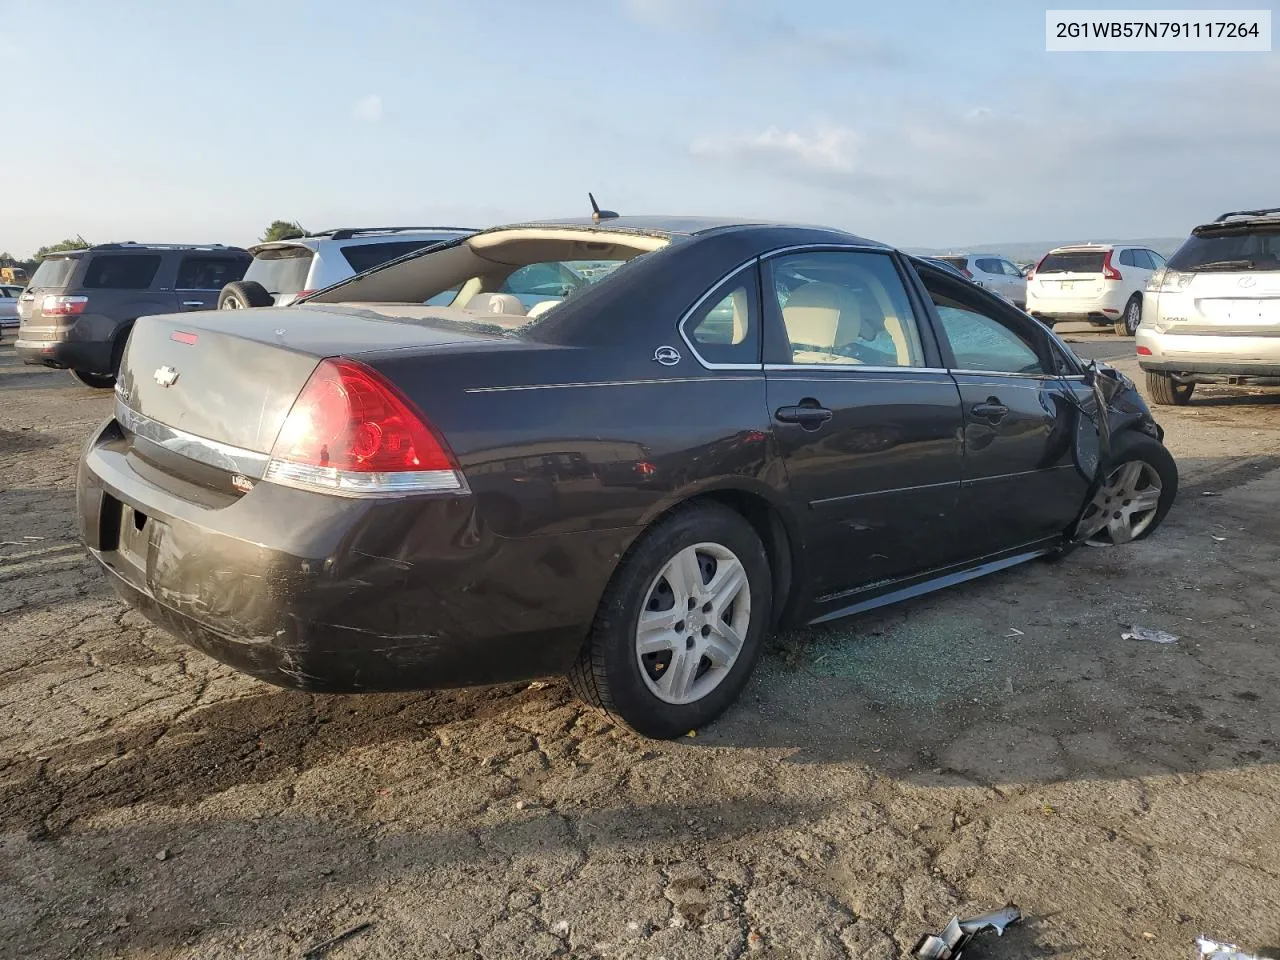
column 1070, row 273
column 231, row 376
column 1244, row 302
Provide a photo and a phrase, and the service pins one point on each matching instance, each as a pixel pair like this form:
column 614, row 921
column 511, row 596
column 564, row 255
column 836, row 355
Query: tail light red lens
column 52, row 306
column 966, row 272
column 1108, row 271
column 1032, row 272
column 1144, row 351
column 352, row 432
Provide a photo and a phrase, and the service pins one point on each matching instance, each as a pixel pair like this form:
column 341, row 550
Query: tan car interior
column 824, row 319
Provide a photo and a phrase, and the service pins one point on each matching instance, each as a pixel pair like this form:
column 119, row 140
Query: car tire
column 612, row 673
column 244, row 294
column 1166, row 391
column 99, row 381
column 1156, row 471
column 1127, row 325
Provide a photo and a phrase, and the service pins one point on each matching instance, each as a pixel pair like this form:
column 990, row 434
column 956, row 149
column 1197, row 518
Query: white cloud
column 1153, row 161
column 826, row 150
column 368, row 109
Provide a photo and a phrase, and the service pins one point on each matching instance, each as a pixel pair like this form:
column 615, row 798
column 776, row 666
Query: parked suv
column 285, row 270
column 78, row 308
column 997, row 274
column 1098, row 282
column 1213, row 313
column 8, row 307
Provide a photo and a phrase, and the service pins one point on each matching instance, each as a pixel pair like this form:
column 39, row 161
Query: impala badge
column 1247, row 281
column 667, row 356
column 166, row 376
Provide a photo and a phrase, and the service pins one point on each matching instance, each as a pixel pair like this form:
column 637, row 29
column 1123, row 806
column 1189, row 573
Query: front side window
column 846, row 308
column 726, row 327
column 988, row 265
column 123, row 272
column 979, row 338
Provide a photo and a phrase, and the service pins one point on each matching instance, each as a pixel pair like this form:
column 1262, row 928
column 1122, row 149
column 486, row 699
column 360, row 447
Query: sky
column 915, row 122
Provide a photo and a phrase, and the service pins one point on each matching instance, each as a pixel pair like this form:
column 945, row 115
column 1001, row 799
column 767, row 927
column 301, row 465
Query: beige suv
column 1213, row 314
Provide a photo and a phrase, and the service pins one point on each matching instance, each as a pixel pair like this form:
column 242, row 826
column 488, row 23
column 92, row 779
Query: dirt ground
column 996, row 742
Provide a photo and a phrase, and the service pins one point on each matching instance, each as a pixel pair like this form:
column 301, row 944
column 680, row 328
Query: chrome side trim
column 212, row 453
column 913, row 380
column 606, row 383
column 852, row 368
column 998, row 373
column 697, row 304
column 819, row 247
column 879, row 493
column 971, row 481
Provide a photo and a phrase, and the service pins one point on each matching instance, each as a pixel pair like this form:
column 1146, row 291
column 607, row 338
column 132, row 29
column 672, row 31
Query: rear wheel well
column 779, row 546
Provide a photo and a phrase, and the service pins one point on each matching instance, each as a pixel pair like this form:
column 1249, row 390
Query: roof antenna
column 597, row 214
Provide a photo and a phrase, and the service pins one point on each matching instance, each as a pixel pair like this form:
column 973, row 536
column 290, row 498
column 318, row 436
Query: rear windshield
column 124, row 271
column 54, row 272
column 1072, row 263
column 282, row 271
column 1255, row 248
column 366, row 256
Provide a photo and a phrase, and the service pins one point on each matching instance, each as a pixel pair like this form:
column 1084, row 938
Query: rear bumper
column 1226, row 355
column 335, row 594
column 69, row 354
column 1102, row 308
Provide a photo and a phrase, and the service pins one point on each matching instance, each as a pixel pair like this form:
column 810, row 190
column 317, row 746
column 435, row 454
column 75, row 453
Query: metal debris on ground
column 1222, row 951
column 318, row 950
column 950, row 944
column 1208, row 493
column 1217, row 538
column 1014, row 632
column 1148, row 633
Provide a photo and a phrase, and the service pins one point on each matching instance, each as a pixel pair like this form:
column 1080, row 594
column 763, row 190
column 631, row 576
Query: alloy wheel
column 1124, row 506
column 693, row 623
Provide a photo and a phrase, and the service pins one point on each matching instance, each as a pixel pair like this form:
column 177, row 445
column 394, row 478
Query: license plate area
column 125, row 530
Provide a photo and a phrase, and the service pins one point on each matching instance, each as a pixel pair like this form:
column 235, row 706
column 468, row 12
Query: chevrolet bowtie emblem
column 166, row 376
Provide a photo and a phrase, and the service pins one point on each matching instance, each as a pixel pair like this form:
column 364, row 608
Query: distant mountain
column 1034, row 250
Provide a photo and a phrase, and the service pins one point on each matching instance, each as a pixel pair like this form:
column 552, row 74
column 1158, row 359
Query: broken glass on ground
column 950, row 944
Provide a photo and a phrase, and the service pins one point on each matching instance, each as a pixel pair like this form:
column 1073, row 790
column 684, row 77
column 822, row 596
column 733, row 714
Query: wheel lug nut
column 706, row 630
column 688, row 644
column 692, row 603
column 680, row 627
column 706, row 607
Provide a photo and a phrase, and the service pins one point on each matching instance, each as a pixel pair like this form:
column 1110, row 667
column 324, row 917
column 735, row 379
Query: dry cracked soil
column 996, row 742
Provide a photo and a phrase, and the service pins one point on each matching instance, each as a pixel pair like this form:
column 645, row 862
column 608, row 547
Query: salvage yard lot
column 999, row 741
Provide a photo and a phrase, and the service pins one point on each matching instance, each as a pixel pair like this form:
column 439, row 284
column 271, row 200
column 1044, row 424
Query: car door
column 1020, row 481
column 867, row 423
column 202, row 276
column 1015, row 282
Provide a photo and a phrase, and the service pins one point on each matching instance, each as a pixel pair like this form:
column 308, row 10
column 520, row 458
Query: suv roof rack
column 347, row 233
column 1267, row 212
column 133, row 245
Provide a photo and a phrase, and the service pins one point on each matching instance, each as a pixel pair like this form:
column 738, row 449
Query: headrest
column 504, row 303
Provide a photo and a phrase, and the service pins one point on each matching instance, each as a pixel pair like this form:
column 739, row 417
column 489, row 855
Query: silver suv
column 1213, row 314
column 285, row 270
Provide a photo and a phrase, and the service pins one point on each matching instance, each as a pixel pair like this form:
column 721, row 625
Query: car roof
column 677, row 227
column 1087, row 248
column 358, row 235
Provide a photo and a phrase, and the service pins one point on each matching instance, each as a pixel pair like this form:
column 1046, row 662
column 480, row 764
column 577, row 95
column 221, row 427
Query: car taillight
column 1144, row 351
column 1036, row 266
column 1108, row 271
column 52, row 306
column 351, row 432
column 302, row 293
column 967, row 274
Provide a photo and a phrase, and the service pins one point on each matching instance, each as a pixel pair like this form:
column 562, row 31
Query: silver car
column 286, row 270
column 998, row 274
column 8, row 307
column 1213, row 314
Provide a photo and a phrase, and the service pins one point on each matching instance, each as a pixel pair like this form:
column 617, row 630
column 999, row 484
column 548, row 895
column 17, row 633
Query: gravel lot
column 996, row 742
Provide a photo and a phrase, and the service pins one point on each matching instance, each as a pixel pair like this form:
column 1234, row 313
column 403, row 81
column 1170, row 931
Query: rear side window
column 54, row 272
column 726, row 327
column 281, row 271
column 1084, row 262
column 121, row 272
column 1128, row 259
column 1256, row 248
column 210, row 273
column 366, row 256
column 844, row 307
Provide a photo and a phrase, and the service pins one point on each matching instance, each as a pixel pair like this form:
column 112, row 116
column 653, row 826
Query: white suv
column 1213, row 314
column 285, row 270
column 998, row 274
column 1100, row 283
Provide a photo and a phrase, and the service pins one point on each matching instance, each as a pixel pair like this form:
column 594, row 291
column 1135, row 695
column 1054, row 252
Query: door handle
column 808, row 413
column 992, row 410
